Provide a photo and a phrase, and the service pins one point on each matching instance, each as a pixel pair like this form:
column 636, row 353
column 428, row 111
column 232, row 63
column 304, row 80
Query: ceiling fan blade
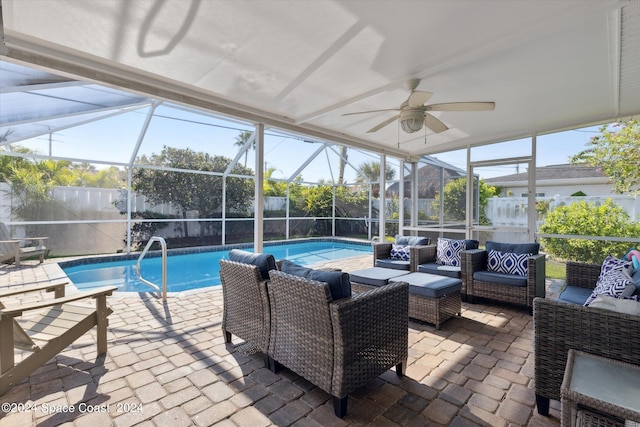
column 371, row 111
column 461, row 106
column 418, row 98
column 383, row 124
column 434, row 124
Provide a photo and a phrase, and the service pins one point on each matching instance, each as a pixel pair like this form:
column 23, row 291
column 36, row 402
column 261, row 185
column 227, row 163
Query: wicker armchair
column 425, row 261
column 337, row 345
column 475, row 261
column 246, row 311
column 382, row 253
column 560, row 326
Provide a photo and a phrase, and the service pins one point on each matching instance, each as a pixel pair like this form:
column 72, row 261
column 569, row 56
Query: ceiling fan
column 413, row 113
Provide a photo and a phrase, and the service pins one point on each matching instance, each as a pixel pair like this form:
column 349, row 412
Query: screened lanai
column 277, row 99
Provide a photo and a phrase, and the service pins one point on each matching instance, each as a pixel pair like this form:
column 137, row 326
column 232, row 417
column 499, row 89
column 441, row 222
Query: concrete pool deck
column 167, row 364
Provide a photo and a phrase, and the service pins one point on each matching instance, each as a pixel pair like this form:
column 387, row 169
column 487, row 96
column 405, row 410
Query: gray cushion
column 500, row 278
column 375, row 276
column 339, row 283
column 295, row 269
column 471, row 244
column 575, row 295
column 442, row 270
column 429, row 285
column 264, row 262
column 396, row 264
column 518, row 248
column 412, row 240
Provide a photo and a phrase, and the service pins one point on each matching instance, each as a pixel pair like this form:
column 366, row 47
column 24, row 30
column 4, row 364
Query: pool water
column 198, row 270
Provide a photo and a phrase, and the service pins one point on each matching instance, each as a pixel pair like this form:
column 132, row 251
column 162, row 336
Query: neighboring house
column 553, row 180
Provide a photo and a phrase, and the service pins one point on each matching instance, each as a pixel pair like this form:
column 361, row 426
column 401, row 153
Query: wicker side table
column 604, row 385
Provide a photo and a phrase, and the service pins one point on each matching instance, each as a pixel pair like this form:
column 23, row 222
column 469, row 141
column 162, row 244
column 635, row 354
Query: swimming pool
column 198, row 269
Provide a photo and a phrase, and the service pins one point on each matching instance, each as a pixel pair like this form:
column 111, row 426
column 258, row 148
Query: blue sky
column 113, row 139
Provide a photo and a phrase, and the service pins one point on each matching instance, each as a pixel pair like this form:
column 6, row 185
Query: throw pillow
column 400, row 252
column 611, row 263
column 508, row 263
column 616, row 283
column 448, row 251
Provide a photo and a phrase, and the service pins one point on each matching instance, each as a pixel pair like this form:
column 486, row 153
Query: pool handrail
column 163, row 245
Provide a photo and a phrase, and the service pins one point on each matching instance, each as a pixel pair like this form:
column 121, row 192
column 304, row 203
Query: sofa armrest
column 371, row 334
column 473, row 260
column 381, row 250
column 561, row 326
column 421, row 255
column 537, row 272
column 582, row 275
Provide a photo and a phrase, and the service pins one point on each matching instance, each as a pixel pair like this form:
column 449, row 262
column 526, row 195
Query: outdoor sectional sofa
column 308, row 321
column 561, row 325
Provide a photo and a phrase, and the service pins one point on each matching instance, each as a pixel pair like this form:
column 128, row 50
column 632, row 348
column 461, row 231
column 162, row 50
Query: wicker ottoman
column 432, row 298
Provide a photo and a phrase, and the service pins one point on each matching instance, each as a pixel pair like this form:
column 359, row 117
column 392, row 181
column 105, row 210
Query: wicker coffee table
column 599, row 391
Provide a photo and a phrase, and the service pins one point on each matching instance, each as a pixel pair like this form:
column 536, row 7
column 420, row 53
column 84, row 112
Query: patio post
column 382, row 198
column 258, row 225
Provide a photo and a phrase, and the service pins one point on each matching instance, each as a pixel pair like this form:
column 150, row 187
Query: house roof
column 301, row 66
column 428, row 180
column 553, row 172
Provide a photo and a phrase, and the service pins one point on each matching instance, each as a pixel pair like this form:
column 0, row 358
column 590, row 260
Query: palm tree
column 343, row 163
column 370, row 172
column 242, row 139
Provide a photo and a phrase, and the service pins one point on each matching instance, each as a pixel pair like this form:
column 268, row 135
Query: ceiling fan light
column 411, row 124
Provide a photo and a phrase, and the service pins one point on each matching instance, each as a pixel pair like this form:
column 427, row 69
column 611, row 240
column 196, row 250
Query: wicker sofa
column 338, row 345
column 514, row 289
column 560, row 326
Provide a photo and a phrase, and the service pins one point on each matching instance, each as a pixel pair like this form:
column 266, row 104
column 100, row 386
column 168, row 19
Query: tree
column 370, row 172
column 455, row 200
column 342, row 164
column 242, row 139
column 89, row 176
column 192, row 191
column 617, row 151
column 587, row 219
column 272, row 187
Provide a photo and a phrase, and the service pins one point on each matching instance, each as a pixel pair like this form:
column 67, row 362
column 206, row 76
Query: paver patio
column 168, row 365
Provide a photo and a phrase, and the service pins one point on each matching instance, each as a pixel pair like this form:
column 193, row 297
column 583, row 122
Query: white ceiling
column 300, row 65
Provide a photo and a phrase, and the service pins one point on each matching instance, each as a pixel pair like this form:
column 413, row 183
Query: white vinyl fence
column 512, row 211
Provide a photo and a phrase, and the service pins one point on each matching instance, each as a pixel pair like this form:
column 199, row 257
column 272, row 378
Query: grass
column 555, row 270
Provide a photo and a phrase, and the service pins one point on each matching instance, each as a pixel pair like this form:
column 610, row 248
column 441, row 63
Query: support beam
column 258, row 226
column 382, row 198
column 401, row 200
column 414, row 194
column 531, row 196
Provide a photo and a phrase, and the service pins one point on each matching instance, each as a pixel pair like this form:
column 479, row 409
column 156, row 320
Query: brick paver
column 169, row 365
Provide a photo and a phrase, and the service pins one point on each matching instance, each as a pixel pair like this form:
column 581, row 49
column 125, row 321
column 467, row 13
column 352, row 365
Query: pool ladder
column 163, row 245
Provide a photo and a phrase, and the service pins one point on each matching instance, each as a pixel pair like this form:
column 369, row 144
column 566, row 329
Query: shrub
column 587, row 219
